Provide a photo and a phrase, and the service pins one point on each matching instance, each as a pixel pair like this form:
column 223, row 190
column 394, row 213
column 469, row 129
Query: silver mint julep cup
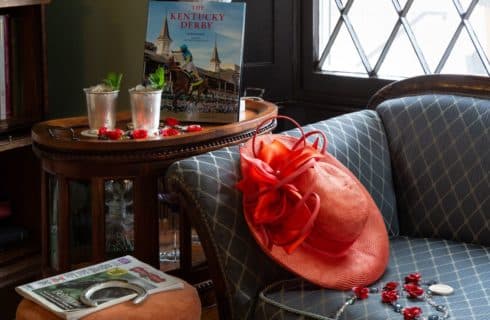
column 145, row 109
column 101, row 109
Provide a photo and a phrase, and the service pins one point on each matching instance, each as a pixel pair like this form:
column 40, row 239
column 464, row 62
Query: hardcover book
column 5, row 106
column 200, row 46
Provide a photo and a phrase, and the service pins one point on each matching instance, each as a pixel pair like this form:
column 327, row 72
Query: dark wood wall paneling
column 269, row 46
column 272, row 61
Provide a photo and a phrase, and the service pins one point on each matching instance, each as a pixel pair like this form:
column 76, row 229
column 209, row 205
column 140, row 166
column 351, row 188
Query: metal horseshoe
column 86, row 295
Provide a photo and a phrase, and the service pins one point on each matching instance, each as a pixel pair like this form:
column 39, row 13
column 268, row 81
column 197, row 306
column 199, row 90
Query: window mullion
column 415, row 45
column 409, row 32
column 330, row 42
column 387, row 47
column 471, row 32
column 463, row 15
column 336, row 30
column 357, row 44
column 449, row 48
column 397, row 6
column 469, row 11
column 479, row 49
column 402, row 12
column 459, row 8
column 344, row 9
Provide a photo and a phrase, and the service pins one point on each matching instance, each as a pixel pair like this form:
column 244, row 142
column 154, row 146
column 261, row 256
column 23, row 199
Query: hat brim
column 362, row 264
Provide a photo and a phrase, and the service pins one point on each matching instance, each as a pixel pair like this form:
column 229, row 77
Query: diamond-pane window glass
column 480, row 21
column 395, row 39
column 465, row 4
column 402, row 3
column 327, row 19
column 464, row 58
column 343, row 56
column 373, row 22
column 401, row 60
column 433, row 23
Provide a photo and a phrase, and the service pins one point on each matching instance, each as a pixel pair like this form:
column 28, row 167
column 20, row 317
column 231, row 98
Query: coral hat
column 310, row 214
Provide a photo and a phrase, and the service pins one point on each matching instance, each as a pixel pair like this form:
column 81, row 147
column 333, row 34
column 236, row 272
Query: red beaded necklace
column 412, row 289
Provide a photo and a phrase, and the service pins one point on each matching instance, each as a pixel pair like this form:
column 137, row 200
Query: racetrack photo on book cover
column 200, row 46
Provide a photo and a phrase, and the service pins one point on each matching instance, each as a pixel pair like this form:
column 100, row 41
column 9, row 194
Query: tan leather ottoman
column 183, row 304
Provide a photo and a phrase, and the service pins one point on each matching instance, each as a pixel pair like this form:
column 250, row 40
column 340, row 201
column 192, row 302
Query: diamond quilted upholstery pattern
column 440, row 151
column 462, row 266
column 358, row 141
column 210, row 179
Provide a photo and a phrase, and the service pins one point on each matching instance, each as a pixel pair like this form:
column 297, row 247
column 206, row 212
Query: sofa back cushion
column 439, row 146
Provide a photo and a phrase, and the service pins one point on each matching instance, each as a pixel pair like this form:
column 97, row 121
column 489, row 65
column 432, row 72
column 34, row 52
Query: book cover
column 3, row 71
column 6, row 43
column 16, row 66
column 200, row 45
column 61, row 293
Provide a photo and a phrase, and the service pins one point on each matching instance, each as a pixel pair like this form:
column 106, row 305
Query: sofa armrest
column 205, row 185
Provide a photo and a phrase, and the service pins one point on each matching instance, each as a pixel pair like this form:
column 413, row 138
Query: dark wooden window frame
column 329, row 89
column 348, row 91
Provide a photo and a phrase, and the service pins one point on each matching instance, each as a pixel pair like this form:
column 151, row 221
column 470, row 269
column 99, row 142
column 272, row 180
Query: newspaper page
column 61, row 293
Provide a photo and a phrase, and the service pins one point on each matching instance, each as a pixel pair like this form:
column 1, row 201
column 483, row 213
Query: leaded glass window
column 401, row 38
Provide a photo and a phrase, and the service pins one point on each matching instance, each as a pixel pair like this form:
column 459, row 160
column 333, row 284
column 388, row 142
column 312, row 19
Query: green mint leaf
column 157, row 78
column 113, row 80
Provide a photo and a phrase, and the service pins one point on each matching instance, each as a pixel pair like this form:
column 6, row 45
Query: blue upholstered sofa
column 422, row 150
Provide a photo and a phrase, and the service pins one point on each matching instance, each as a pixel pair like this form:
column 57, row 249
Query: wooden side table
column 78, row 172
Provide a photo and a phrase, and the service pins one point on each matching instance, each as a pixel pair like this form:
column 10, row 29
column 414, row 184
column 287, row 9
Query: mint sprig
column 113, row 80
column 157, row 78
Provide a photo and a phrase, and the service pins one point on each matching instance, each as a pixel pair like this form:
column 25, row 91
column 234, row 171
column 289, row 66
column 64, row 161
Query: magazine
column 200, row 46
column 61, row 293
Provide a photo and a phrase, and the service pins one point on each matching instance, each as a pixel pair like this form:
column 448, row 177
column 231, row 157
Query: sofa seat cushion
column 463, row 266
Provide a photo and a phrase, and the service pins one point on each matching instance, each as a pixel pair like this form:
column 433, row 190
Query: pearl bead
column 441, row 289
column 397, row 308
column 441, row 308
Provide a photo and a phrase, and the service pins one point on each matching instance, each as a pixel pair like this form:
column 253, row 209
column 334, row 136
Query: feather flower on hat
column 284, row 214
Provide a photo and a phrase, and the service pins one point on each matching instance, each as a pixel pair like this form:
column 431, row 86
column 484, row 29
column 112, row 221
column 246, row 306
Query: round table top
column 61, row 139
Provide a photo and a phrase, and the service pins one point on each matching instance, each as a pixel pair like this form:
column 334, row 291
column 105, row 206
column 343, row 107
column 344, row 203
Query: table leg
column 63, row 226
column 98, row 220
column 146, row 220
column 185, row 230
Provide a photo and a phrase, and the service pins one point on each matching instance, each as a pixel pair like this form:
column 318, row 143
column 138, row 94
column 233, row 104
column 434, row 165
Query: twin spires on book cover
column 200, row 46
